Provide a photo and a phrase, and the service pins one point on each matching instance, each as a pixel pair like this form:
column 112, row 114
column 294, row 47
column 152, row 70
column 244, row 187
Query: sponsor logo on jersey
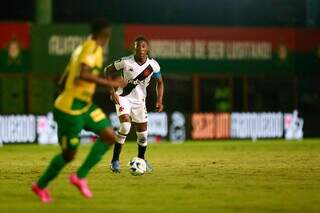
column 146, row 72
column 137, row 80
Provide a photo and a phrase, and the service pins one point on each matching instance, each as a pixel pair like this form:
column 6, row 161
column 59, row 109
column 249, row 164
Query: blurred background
column 219, row 57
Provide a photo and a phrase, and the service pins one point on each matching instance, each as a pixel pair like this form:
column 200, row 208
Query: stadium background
column 233, row 70
column 234, row 56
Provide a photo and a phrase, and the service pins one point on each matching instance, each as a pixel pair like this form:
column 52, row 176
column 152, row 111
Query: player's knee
column 142, row 138
column 68, row 156
column 124, row 128
column 123, row 132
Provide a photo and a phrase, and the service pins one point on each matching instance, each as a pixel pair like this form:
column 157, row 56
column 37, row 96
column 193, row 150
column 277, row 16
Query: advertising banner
column 293, row 126
column 257, row 125
column 165, row 126
column 17, row 129
column 186, row 49
column 53, row 44
column 45, row 128
column 237, row 125
column 178, row 127
column 210, row 125
column 14, row 47
column 308, row 50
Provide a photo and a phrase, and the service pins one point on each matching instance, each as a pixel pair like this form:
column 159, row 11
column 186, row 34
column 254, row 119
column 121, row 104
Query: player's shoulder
column 155, row 65
column 124, row 60
column 128, row 58
column 90, row 45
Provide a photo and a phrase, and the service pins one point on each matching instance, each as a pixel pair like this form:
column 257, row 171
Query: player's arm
column 86, row 74
column 87, row 60
column 111, row 72
column 159, row 91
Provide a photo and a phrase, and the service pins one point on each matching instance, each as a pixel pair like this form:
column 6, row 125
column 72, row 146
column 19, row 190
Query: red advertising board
column 188, row 49
column 210, row 125
column 17, row 31
column 307, row 40
column 14, row 47
column 276, row 36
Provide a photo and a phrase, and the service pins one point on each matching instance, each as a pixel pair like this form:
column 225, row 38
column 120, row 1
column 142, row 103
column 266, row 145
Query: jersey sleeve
column 87, row 55
column 156, row 68
column 119, row 64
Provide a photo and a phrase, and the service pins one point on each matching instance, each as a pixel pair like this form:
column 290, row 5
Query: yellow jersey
column 76, row 90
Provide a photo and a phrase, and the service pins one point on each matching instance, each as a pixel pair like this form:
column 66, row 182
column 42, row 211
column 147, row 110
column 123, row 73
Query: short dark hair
column 141, row 38
column 98, row 25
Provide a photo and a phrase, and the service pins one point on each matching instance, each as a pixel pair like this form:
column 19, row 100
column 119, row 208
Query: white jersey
column 137, row 76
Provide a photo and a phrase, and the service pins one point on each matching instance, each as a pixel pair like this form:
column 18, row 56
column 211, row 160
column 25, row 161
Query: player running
column 74, row 111
column 130, row 100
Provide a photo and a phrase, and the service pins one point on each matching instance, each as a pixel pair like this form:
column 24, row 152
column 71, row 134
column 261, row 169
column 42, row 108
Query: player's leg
column 68, row 130
column 140, row 118
column 123, row 113
column 97, row 122
column 142, row 135
column 121, row 135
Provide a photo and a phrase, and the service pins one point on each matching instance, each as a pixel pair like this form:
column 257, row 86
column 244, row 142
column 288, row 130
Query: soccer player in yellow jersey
column 74, row 111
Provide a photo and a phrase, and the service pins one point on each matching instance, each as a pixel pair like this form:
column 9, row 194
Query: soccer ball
column 137, row 166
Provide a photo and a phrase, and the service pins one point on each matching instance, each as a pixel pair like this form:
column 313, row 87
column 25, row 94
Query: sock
column 116, row 151
column 97, row 151
column 56, row 165
column 141, row 151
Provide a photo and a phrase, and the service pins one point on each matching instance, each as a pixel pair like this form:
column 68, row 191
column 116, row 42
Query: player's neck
column 139, row 60
column 97, row 40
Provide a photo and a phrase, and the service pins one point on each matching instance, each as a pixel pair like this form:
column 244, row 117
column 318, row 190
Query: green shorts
column 70, row 126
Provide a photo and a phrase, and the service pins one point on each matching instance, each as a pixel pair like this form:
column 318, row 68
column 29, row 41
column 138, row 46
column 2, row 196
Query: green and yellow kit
column 73, row 108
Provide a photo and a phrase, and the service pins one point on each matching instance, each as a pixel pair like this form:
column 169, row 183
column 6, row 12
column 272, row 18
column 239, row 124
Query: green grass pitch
column 203, row 176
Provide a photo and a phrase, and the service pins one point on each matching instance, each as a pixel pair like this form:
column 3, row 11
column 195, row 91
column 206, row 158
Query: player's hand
column 159, row 107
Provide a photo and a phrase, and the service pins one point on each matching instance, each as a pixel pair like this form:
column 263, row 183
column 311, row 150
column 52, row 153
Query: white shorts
column 136, row 111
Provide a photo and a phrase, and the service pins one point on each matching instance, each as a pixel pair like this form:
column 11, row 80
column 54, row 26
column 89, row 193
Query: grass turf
column 215, row 176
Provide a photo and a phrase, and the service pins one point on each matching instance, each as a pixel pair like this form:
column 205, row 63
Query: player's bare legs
column 97, row 151
column 125, row 125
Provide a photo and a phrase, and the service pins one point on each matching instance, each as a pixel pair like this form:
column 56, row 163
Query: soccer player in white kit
column 137, row 70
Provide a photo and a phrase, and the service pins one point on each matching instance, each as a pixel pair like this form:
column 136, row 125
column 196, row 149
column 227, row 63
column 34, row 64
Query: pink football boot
column 43, row 194
column 81, row 184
